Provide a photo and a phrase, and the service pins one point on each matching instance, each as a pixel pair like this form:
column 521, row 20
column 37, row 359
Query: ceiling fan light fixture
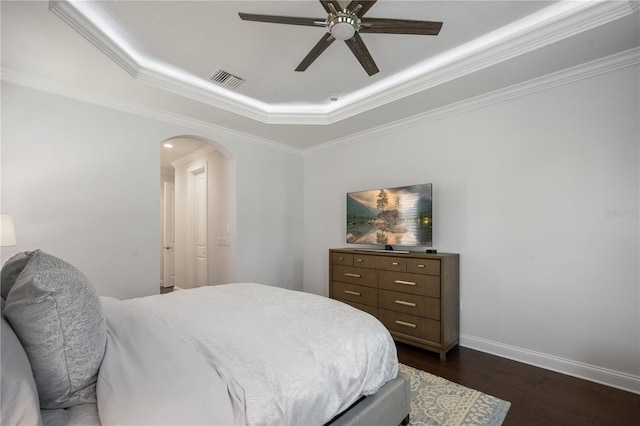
column 343, row 27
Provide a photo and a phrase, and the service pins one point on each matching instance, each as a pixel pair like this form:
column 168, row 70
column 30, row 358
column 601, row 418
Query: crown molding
column 523, row 37
column 200, row 91
column 550, row 25
column 89, row 30
column 590, row 69
column 208, row 130
column 601, row 66
column 172, row 80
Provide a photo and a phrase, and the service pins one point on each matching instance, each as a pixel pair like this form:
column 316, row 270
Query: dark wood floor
column 537, row 396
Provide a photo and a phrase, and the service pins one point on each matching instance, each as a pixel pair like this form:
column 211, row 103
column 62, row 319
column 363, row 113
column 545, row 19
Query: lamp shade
column 7, row 232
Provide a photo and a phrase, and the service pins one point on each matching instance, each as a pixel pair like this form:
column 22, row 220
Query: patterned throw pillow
column 58, row 317
column 11, row 270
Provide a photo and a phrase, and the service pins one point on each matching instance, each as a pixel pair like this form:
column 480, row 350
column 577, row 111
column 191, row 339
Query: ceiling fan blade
column 325, row 4
column 320, row 47
column 399, row 26
column 366, row 5
column 361, row 52
column 291, row 20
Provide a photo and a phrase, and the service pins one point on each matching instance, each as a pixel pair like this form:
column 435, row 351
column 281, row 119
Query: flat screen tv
column 385, row 217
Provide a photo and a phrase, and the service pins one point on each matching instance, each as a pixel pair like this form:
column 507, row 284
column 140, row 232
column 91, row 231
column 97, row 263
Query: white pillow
column 19, row 404
column 57, row 315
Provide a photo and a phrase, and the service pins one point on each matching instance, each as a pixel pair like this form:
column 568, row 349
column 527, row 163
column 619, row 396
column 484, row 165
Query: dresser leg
column 443, row 356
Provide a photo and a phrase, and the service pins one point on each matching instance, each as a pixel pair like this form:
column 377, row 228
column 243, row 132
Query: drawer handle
column 349, row 274
column 404, row 282
column 406, row 324
column 341, row 258
column 420, row 266
column 353, row 293
column 395, row 263
column 359, row 260
column 402, row 302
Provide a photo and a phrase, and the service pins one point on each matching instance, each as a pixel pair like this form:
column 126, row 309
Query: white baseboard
column 616, row 379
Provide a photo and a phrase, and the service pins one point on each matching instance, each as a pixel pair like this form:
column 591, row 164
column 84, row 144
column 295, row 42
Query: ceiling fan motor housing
column 343, row 26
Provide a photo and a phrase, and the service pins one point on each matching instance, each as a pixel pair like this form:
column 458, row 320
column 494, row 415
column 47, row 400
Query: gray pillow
column 19, row 403
column 10, row 271
column 58, row 317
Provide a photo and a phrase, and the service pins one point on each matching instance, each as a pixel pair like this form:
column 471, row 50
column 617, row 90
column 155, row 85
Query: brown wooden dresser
column 415, row 295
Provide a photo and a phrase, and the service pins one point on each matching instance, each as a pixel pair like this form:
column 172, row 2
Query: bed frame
column 389, row 406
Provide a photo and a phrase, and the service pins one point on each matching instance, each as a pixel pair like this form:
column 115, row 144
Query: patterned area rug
column 436, row 401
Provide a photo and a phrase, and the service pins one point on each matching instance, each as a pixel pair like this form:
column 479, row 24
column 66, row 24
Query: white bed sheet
column 294, row 358
column 149, row 376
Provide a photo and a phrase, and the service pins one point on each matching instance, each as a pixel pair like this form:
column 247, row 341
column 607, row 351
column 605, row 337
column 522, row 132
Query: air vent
column 226, row 79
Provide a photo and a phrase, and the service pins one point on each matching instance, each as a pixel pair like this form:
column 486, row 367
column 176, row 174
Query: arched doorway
column 197, row 213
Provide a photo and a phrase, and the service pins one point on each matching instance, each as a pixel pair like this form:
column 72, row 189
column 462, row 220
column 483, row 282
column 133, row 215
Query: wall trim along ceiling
column 551, row 25
column 69, row 91
column 601, row 66
column 590, row 69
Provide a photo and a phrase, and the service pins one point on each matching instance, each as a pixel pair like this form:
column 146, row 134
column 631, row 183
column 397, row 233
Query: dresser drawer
column 423, row 266
column 342, row 259
column 350, row 274
column 389, row 263
column 355, row 293
column 372, row 310
column 421, row 306
column 410, row 325
column 424, row 285
column 363, row 260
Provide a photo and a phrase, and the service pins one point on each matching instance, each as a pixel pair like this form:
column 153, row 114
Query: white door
column 168, row 236
column 200, row 227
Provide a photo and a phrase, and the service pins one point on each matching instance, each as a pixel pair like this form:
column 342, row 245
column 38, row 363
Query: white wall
column 532, row 192
column 524, row 191
column 82, row 183
column 270, row 230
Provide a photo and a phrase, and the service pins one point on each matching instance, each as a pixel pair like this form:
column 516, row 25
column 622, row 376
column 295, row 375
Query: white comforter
column 263, row 356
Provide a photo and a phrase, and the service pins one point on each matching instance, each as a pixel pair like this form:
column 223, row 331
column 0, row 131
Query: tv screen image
column 391, row 216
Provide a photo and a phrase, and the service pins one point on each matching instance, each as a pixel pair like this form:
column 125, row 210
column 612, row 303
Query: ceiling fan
column 347, row 24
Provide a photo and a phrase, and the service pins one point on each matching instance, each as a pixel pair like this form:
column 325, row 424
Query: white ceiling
column 160, row 54
column 199, row 37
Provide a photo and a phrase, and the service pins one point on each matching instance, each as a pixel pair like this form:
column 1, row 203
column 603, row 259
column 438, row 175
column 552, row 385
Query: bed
column 242, row 353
